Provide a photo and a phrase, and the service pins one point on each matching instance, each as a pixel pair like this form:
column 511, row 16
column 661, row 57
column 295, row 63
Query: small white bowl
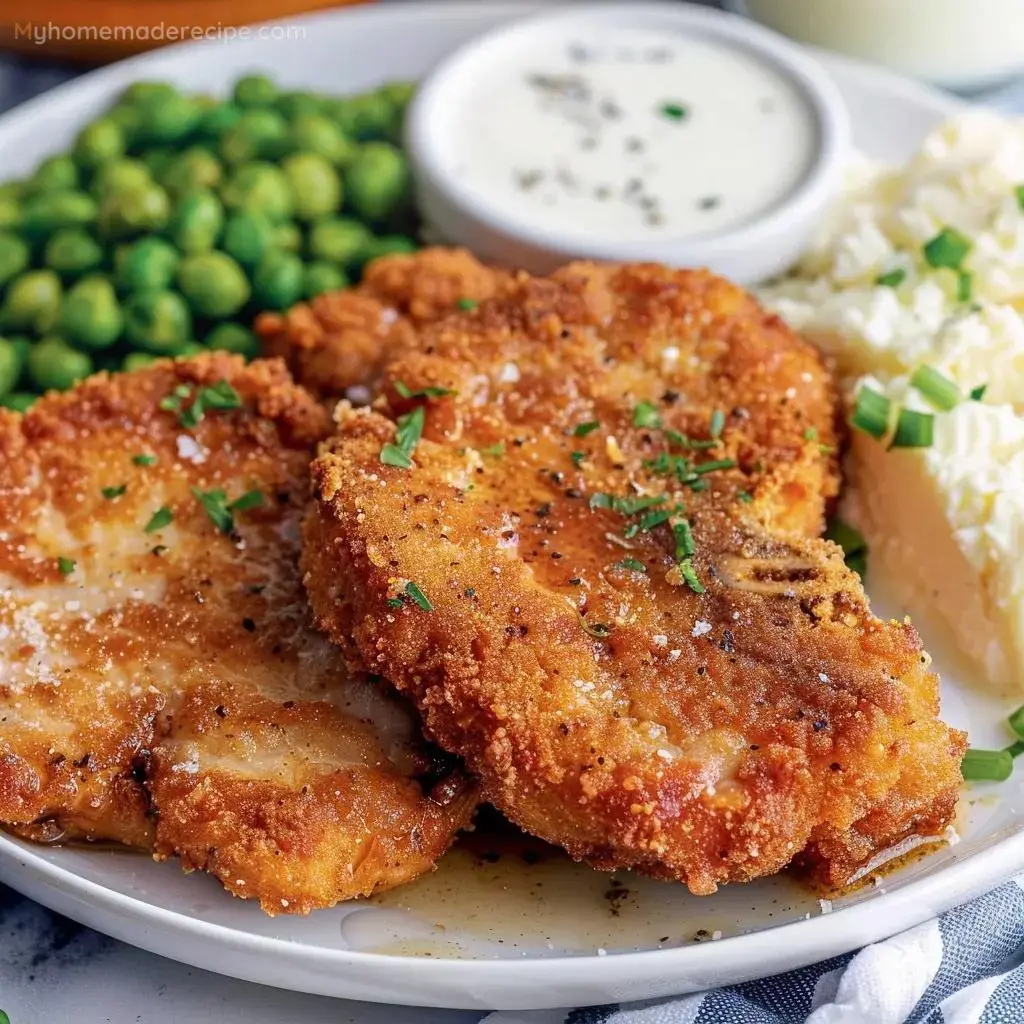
column 752, row 250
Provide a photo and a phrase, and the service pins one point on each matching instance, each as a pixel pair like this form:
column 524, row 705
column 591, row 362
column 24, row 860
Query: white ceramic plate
column 510, row 934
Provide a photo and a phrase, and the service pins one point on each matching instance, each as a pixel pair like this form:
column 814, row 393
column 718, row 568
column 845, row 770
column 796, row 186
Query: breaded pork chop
column 342, row 340
column 601, row 581
column 161, row 681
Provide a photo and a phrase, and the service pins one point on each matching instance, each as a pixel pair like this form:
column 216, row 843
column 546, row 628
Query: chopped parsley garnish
column 682, row 441
column 648, row 522
column 468, row 304
column 939, row 390
column 978, row 393
column 408, row 431
column 810, row 434
column 717, row 423
column 891, row 278
column 494, row 450
column 577, row 457
column 161, row 517
column 645, row 414
column 949, row 248
column 871, row 413
column 627, row 506
column 66, row 565
column 221, row 512
column 144, row 460
column 582, row 429
column 219, row 396
column 674, row 111
column 855, row 547
column 745, row 496
column 418, row 596
column 110, row 493
column 431, row 392
column 690, row 577
column 913, row 429
column 714, row 465
column 633, row 564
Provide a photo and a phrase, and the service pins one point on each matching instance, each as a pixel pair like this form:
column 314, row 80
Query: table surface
column 52, row 969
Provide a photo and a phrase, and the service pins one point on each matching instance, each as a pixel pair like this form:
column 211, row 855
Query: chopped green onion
column 418, row 596
column 1019, row 190
column 939, row 390
column 871, row 412
column 964, row 286
column 395, row 602
column 468, row 304
column 891, row 278
column 161, row 517
column 685, row 545
column 1016, row 721
column 978, row 393
column 986, row 765
column 714, row 466
column 589, row 427
column 113, row 492
column 495, row 450
column 645, row 414
column 947, row 249
column 1016, row 748
column 674, row 111
column 913, row 430
column 144, row 460
column 632, row 564
column 403, row 389
column 689, row 574
column 851, row 540
column 648, row 522
column 676, row 438
column 66, row 565
column 717, row 423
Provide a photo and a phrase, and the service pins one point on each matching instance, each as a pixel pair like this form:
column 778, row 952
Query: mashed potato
column 947, row 520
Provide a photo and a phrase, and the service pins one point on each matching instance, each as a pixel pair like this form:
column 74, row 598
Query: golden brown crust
column 705, row 737
column 171, row 692
column 343, row 339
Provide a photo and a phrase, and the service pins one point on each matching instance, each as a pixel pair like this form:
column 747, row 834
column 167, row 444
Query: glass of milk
column 961, row 44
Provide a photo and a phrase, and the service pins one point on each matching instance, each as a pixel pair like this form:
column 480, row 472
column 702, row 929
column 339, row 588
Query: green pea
column 214, row 284
column 322, row 277
column 377, row 181
column 288, row 237
column 195, row 168
column 246, row 237
column 21, row 346
column 44, row 214
column 137, row 361
column 14, row 256
column 340, row 240
column 33, row 301
column 298, row 104
column 72, row 251
column 315, row 185
column 149, row 264
column 122, row 175
column 234, row 338
column 98, row 143
column 53, row 365
column 128, row 118
column 388, row 245
column 158, row 159
column 398, row 93
column 215, row 121
column 189, row 349
column 317, row 133
column 146, row 91
column 90, row 315
column 197, row 221
column 10, row 366
column 277, row 283
column 366, row 117
column 261, row 132
column 55, row 173
column 254, row 91
column 10, row 213
column 133, row 211
column 168, row 119
column 13, row 189
column 260, row 188
column 159, row 322
column 18, row 401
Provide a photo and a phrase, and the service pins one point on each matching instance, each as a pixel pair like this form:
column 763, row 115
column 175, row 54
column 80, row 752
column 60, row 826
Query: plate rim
column 66, row 891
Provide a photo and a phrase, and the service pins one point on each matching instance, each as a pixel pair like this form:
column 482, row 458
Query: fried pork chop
column 601, row 582
column 161, row 681
column 343, row 339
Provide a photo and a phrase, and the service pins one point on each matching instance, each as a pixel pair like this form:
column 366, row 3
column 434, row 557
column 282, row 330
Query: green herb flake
column 395, row 602
column 745, row 496
column 682, row 441
column 632, row 564
column 577, row 458
column 1019, row 192
column 978, row 393
column 110, row 493
column 582, row 429
column 717, row 423
column 430, row 392
column 408, row 431
column 674, row 111
column 645, row 414
column 215, row 505
column 810, row 434
column 913, row 430
column 162, row 517
column 468, row 304
column 714, row 466
column 66, row 566
column 949, row 248
column 418, row 596
column 891, row 278
column 648, row 522
column 851, row 540
column 251, row 499
column 144, row 460
column 690, row 577
column 685, row 544
column 220, row 396
column 964, row 286
column 495, row 451
column 392, row 455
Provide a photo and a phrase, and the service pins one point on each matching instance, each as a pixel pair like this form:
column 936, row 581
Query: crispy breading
column 705, row 726
column 342, row 340
column 163, row 686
